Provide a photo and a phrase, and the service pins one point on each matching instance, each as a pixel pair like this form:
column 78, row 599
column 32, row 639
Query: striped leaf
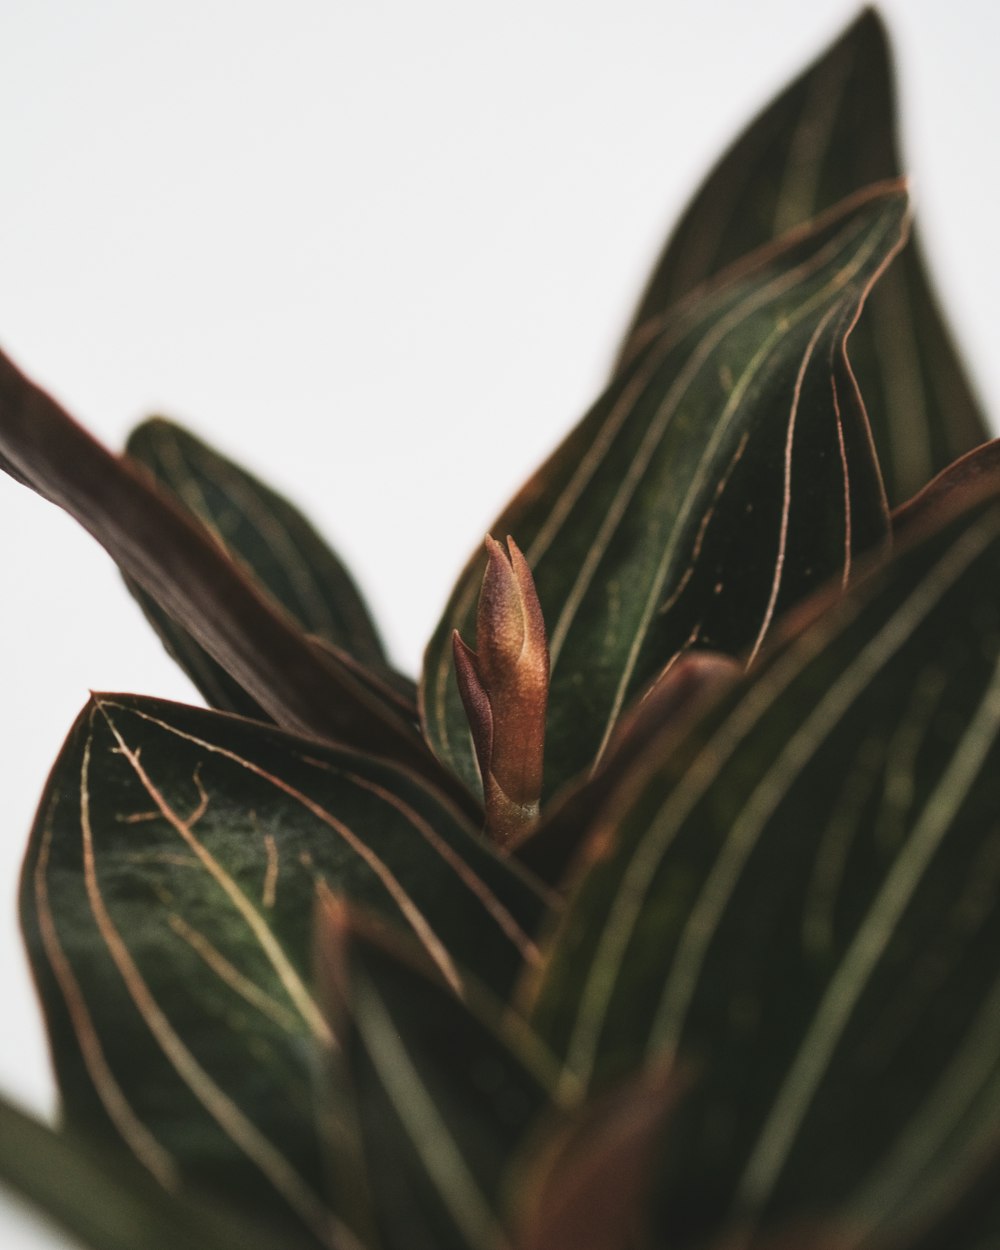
column 725, row 473
column 167, row 906
column 831, row 132
column 550, row 848
column 442, row 1097
column 161, row 548
column 800, row 900
column 108, row 1205
column 273, row 542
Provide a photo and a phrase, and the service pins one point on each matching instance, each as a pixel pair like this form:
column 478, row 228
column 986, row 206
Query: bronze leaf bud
column 504, row 686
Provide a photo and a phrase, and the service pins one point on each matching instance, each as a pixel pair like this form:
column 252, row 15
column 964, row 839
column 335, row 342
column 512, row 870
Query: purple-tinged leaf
column 277, row 547
column 963, row 478
column 584, row 1184
column 192, row 579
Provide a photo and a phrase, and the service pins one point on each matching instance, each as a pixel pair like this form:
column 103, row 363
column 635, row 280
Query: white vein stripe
column 468, row 876
column 699, row 480
column 641, row 869
column 394, row 887
column 672, row 401
column 707, row 912
column 870, row 942
column 961, row 1089
column 120, row 1111
column 440, row 1154
column 786, row 493
column 436, row 709
column 293, row 984
column 220, row 1106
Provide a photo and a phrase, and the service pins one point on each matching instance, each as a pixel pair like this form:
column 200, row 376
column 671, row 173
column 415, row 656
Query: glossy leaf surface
column 725, row 473
column 109, row 1206
column 167, row 905
column 829, row 133
column 270, row 539
column 800, row 900
column 442, row 1098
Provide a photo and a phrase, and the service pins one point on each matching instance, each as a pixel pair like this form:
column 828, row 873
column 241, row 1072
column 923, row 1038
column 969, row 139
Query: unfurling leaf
column 724, row 974
column 800, row 899
column 504, row 686
column 726, row 473
column 668, row 706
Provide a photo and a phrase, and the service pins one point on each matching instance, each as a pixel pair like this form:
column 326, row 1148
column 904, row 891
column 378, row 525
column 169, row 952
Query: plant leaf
column 167, row 901
column 170, row 556
column 110, row 1206
column 443, row 1099
column 725, row 473
column 800, row 899
column 273, row 542
column 968, row 1220
column 832, row 131
column 979, row 466
column 548, row 851
column 583, row 1185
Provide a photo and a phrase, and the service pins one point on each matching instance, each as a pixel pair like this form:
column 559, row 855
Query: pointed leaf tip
column 504, row 690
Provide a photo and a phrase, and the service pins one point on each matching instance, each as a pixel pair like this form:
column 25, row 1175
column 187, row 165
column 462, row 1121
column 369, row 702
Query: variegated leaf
column 443, row 1092
column 167, row 905
column 161, row 548
column 801, row 900
column 829, row 133
column 726, row 473
column 274, row 543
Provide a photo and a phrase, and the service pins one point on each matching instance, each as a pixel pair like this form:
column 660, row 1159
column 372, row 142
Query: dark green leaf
column 167, row 903
column 161, row 548
column 273, row 542
column 829, row 134
column 726, row 473
column 442, row 1098
column 801, row 900
column 108, row 1205
column 969, row 1220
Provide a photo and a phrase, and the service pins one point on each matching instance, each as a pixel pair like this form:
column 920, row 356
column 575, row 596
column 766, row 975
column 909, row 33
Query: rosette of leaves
column 665, row 913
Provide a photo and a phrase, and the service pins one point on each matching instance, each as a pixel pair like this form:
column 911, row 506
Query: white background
column 382, row 251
